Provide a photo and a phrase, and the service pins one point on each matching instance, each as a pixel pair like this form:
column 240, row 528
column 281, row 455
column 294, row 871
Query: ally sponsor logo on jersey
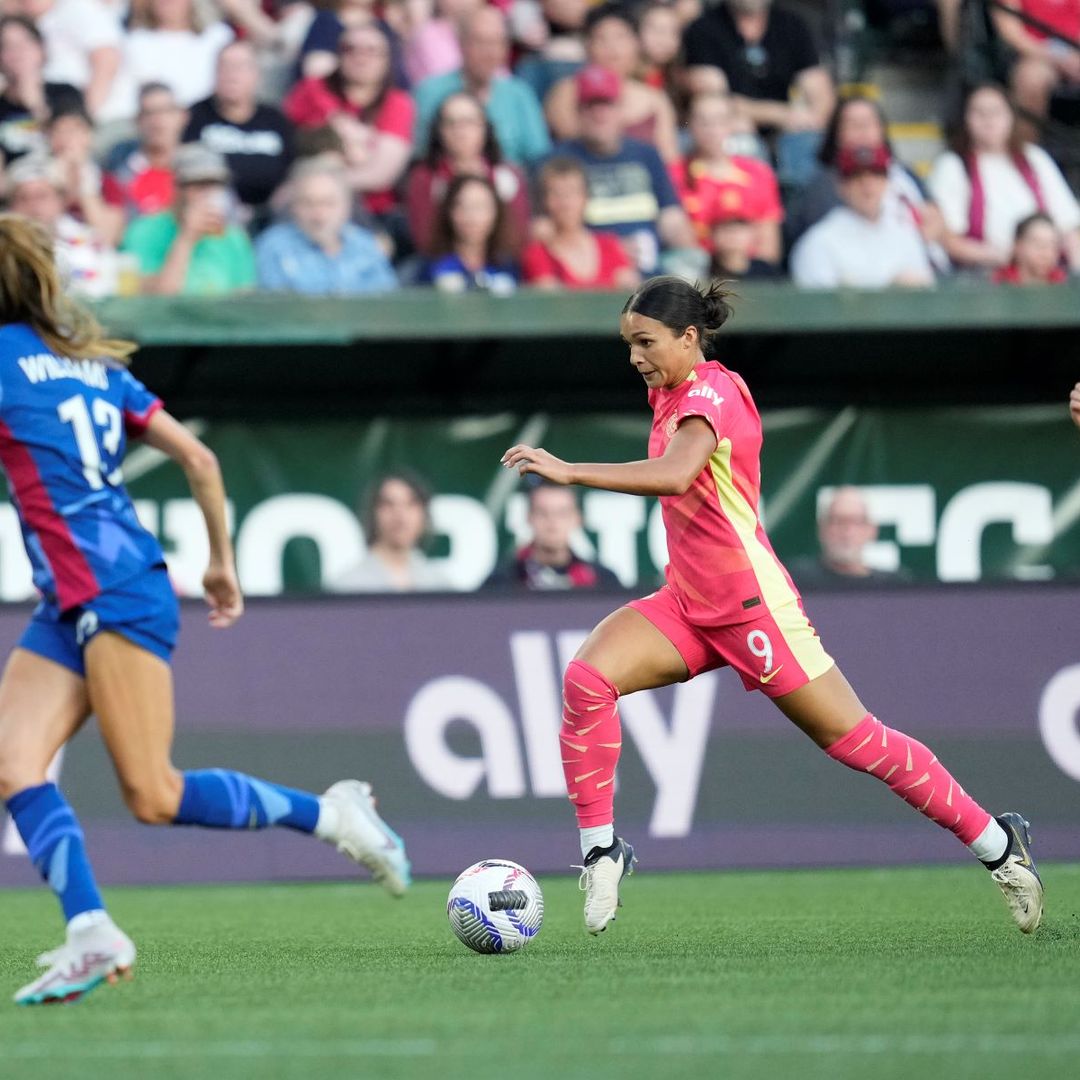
column 708, row 393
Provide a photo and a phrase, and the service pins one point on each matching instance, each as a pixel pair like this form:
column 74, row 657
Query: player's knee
column 20, row 767
column 155, row 800
column 584, row 687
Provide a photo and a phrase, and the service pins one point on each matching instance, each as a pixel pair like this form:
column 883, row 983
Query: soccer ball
column 495, row 906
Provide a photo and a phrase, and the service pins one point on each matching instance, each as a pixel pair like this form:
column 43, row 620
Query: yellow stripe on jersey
column 775, row 590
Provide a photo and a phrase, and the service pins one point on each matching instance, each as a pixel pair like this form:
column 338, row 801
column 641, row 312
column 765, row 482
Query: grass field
column 875, row 973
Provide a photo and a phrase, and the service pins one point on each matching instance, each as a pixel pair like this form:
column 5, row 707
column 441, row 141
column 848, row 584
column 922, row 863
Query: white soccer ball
column 495, row 906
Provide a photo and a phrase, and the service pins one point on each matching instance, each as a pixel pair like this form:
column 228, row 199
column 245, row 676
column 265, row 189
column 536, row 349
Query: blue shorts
column 144, row 610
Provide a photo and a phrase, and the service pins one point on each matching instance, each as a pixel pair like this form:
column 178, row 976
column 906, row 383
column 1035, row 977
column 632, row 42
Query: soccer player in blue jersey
column 100, row 639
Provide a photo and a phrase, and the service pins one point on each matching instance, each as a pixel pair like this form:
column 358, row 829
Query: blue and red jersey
column 64, row 426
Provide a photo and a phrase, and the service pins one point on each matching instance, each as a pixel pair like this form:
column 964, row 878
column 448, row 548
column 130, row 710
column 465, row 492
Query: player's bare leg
column 830, row 712
column 131, row 691
column 42, row 705
column 624, row 654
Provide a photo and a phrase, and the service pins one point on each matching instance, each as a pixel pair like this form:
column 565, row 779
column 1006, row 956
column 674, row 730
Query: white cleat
column 90, row 956
column 1017, row 877
column 362, row 835
column 600, row 877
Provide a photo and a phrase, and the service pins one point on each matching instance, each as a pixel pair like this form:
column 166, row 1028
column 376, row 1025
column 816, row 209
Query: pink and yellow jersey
column 721, row 565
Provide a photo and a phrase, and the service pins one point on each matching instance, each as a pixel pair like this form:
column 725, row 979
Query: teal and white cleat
column 89, row 957
column 1017, row 877
column 360, row 833
column 604, row 869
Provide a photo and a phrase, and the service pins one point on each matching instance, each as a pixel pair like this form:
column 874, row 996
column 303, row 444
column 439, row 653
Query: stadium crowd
column 213, row 146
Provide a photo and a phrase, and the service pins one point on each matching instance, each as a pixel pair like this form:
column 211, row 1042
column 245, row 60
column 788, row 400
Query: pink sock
column 912, row 772
column 590, row 738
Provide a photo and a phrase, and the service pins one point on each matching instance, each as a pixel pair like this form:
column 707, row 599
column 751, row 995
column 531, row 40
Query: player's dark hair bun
column 678, row 304
column 716, row 306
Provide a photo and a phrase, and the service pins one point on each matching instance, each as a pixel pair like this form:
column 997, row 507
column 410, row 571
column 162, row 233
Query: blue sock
column 54, row 839
column 223, row 799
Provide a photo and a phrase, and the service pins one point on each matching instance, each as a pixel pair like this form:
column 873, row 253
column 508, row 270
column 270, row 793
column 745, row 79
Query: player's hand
column 528, row 459
column 222, row 592
column 1074, row 404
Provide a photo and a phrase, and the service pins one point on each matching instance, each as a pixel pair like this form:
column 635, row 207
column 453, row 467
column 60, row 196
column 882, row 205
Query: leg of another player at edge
column 624, row 653
column 42, row 705
column 829, row 712
column 131, row 692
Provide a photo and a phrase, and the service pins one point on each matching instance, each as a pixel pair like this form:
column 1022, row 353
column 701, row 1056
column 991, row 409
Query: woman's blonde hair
column 31, row 292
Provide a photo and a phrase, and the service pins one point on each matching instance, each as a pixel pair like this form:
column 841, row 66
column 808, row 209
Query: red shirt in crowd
column 1062, row 15
column 426, row 187
column 1010, row 275
column 747, row 191
column 311, row 103
column 139, row 187
column 538, row 264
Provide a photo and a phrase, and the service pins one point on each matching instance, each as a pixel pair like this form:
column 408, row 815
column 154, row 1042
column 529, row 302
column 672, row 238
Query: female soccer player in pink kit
column 101, row 637
column 727, row 600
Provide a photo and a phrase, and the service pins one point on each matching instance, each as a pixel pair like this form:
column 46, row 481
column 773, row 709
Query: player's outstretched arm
column 200, row 465
column 670, row 474
column 1074, row 404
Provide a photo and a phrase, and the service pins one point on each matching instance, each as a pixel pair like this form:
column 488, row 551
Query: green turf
column 840, row 974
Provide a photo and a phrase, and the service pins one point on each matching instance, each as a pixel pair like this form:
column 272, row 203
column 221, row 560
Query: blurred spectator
column 373, row 119
column 28, row 100
column 1074, row 404
column 715, row 185
column 611, row 42
column 89, row 195
column 767, row 58
column 426, row 31
column 1036, row 257
column 396, row 516
column 196, row 248
column 573, row 256
column 469, row 245
column 860, row 122
column 660, row 34
column 320, row 51
column 991, row 180
column 660, row 31
column 82, row 47
column 509, row 102
column 549, row 562
column 320, row 251
column 859, row 244
column 733, row 249
column 143, row 169
column 170, row 41
column 1044, row 64
column 844, row 531
column 463, row 143
column 552, row 32
column 689, row 11
column 630, row 191
column 255, row 140
column 36, row 190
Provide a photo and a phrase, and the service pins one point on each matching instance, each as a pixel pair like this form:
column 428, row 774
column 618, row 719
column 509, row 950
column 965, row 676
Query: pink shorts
column 775, row 652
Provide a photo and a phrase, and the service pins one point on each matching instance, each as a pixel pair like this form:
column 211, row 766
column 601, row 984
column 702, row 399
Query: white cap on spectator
column 35, row 166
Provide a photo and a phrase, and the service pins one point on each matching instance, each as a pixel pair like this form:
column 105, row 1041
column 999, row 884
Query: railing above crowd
column 211, row 149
